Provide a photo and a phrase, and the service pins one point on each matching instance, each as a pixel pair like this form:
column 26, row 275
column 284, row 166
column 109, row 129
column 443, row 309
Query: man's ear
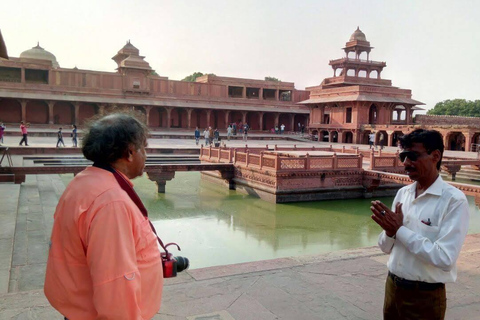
column 436, row 155
column 130, row 153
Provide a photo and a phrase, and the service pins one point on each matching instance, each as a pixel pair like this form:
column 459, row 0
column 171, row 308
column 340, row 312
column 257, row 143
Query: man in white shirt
column 423, row 233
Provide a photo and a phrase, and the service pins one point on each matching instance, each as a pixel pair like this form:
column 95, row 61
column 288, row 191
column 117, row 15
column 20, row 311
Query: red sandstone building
column 344, row 108
column 35, row 89
column 356, row 101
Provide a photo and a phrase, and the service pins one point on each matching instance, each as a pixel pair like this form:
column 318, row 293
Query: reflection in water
column 217, row 226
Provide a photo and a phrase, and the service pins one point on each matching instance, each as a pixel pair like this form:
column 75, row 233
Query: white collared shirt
column 428, row 251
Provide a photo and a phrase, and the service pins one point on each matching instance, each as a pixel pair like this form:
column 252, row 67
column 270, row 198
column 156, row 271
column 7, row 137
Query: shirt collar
column 436, row 188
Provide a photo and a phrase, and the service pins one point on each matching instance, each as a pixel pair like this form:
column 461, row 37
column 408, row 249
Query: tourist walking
column 104, row 260
column 74, row 136
column 381, row 140
column 371, row 140
column 216, row 136
column 60, row 137
column 245, row 131
column 210, row 135
column 2, row 132
column 302, row 130
column 206, row 135
column 197, row 135
column 23, row 129
column 229, row 132
column 282, row 128
column 423, row 232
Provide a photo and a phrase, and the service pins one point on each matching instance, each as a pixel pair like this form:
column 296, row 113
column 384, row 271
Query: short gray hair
column 109, row 138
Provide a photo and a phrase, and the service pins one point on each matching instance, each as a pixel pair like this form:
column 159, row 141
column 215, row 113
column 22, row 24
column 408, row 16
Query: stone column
column 209, row 113
column 339, row 136
column 23, row 103
column 322, row 113
column 76, row 107
column 260, row 120
column 101, row 109
column 50, row 111
column 244, row 116
column 445, row 141
column 189, row 118
column 277, row 93
column 390, row 138
column 277, row 117
column 468, row 141
column 292, row 122
column 227, row 117
column 147, row 115
column 260, row 94
column 244, row 93
column 408, row 116
column 169, row 116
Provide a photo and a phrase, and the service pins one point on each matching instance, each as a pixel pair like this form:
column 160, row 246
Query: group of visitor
column 212, row 137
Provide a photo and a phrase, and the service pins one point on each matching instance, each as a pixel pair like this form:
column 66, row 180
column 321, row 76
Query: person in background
column 371, row 140
column 104, row 260
column 74, row 136
column 245, row 131
column 2, row 132
column 303, row 130
column 216, row 136
column 282, row 128
column 23, row 129
column 60, row 137
column 210, row 135
column 423, row 232
column 206, row 135
column 197, row 135
column 229, row 132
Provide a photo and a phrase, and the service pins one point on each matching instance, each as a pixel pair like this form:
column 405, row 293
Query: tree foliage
column 272, row 79
column 457, row 107
column 195, row 75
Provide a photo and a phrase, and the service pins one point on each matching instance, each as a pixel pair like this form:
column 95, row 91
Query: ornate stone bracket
column 161, row 179
column 452, row 169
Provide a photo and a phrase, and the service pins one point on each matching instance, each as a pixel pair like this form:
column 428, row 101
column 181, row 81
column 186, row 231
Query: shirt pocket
column 428, row 231
column 147, row 246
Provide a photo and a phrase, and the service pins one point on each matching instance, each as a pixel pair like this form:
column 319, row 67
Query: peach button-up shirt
column 104, row 260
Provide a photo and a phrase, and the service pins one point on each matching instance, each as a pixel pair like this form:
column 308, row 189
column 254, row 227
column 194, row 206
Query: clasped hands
column 387, row 219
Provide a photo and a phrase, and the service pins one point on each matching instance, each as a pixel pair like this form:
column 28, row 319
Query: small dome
column 358, row 35
column 40, row 53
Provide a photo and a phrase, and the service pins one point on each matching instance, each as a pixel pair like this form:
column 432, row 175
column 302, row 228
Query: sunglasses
column 412, row 156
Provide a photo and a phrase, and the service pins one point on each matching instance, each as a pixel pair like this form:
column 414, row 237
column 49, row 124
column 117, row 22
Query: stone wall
column 437, row 120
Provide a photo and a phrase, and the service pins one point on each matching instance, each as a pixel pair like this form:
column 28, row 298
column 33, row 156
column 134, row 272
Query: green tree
column 457, row 107
column 272, row 79
column 193, row 77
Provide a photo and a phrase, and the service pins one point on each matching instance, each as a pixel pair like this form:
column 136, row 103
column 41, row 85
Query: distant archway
column 37, row 112
column 456, row 141
column 63, row 113
column 348, row 137
column 10, row 111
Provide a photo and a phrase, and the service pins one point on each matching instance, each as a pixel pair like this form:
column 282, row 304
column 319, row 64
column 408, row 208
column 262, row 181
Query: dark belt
column 409, row 284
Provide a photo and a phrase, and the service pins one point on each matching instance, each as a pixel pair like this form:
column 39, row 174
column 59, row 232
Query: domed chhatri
column 358, row 35
column 40, row 54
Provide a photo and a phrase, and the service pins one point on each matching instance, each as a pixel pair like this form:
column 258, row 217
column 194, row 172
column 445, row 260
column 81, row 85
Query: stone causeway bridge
column 275, row 174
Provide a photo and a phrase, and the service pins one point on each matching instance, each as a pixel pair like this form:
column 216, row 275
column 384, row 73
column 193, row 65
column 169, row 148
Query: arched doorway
column 475, row 143
column 381, row 138
column 285, row 120
column 334, row 135
column 253, row 121
column 63, row 113
column 372, row 114
column 348, row 137
column 456, row 141
column 268, row 121
column 86, row 111
column 10, row 110
column 300, row 119
column 37, row 112
column 396, row 135
column 325, row 136
column 314, row 134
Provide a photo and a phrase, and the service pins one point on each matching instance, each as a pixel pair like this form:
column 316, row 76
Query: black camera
column 171, row 265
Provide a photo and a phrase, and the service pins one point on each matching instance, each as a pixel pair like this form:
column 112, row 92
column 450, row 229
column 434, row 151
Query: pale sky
column 431, row 47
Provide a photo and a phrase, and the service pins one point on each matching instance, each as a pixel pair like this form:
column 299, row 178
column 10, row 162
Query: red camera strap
column 133, row 195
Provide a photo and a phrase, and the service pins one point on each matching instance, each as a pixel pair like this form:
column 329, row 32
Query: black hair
column 109, row 138
column 431, row 139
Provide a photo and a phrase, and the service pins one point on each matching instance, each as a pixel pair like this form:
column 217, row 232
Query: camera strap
column 127, row 187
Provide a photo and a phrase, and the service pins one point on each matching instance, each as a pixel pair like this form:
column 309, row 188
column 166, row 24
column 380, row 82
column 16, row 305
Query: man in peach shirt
column 104, row 260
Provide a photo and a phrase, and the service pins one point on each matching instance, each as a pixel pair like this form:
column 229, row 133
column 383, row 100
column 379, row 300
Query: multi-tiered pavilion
column 357, row 101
